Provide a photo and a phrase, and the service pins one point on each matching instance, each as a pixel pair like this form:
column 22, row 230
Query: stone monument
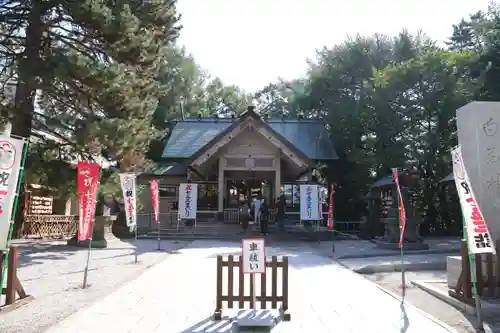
column 478, row 126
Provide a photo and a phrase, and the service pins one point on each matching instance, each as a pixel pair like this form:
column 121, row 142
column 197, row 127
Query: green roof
column 192, row 134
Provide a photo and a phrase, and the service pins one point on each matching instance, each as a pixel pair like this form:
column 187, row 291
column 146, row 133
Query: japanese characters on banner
column 253, row 251
column 155, row 200
column 309, row 203
column 87, row 186
column 127, row 181
column 329, row 223
column 11, row 151
column 478, row 237
column 188, row 201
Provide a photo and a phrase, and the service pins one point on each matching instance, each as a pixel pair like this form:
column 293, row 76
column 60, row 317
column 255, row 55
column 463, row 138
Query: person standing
column 244, row 216
column 257, row 210
column 264, row 217
column 280, row 214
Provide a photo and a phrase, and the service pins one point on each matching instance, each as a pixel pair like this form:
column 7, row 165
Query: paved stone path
column 53, row 273
column 178, row 296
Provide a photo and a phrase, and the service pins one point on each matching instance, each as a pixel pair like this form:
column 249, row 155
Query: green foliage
column 93, row 67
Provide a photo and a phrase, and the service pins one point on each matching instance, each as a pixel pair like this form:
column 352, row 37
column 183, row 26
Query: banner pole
column 86, row 271
column 472, row 264
column 135, row 242
column 159, row 239
column 3, row 269
column 401, row 236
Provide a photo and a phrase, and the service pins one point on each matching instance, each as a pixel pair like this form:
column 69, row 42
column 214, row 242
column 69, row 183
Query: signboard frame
column 243, row 243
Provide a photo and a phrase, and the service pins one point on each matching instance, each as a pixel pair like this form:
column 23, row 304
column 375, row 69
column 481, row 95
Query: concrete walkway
column 178, row 296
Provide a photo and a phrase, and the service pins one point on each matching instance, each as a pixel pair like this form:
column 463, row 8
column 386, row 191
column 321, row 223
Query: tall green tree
column 87, row 73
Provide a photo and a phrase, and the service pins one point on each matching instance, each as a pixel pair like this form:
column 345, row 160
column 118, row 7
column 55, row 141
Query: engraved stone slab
column 478, row 126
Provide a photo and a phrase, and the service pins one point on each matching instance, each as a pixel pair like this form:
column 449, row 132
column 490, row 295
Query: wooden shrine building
column 235, row 159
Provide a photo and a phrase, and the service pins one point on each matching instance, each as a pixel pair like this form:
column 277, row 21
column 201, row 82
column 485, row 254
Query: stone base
column 407, row 246
column 96, row 244
column 453, row 270
column 255, row 319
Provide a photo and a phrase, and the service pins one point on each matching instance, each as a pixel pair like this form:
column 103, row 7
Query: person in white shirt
column 257, row 211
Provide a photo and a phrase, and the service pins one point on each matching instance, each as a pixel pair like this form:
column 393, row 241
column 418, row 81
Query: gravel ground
column 426, row 302
column 53, row 273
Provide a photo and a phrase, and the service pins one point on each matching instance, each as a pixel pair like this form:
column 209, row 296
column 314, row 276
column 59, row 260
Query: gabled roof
column 310, row 137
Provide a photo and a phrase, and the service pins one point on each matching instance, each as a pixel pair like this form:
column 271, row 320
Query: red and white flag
column 402, row 213
column 87, row 183
column 153, row 187
column 127, row 181
column 478, row 236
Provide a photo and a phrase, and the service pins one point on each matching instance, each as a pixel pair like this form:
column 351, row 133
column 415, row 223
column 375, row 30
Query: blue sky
column 252, row 43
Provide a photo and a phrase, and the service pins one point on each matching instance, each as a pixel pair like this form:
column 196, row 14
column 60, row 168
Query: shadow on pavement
column 210, row 325
column 405, row 323
column 41, row 252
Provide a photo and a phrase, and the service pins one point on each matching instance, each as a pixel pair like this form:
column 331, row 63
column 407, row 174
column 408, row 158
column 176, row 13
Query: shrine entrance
column 244, row 190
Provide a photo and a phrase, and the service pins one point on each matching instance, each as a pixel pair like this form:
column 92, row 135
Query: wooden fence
column 273, row 266
column 487, row 276
column 50, row 226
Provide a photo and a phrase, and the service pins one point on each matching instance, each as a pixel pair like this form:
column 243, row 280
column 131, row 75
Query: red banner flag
column 153, row 187
column 87, row 183
column 402, row 214
column 330, row 210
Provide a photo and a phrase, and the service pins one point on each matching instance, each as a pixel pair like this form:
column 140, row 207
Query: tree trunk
column 28, row 72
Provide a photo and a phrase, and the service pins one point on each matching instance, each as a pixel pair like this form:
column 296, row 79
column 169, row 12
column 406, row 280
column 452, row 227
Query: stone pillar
column 220, row 180
column 277, row 177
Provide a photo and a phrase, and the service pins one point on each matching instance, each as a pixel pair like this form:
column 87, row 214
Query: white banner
column 309, row 203
column 478, row 237
column 127, row 181
column 11, row 152
column 188, row 201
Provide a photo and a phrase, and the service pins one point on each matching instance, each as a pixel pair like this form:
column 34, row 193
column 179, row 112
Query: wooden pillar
column 220, row 180
column 277, row 177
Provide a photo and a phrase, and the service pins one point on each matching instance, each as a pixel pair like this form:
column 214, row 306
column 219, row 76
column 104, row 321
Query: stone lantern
column 407, row 180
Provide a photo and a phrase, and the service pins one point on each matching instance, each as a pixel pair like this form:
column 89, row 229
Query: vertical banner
column 309, row 203
column 153, row 188
column 11, row 155
column 87, row 183
column 127, row 181
column 188, row 201
column 330, row 210
column 478, row 236
column 402, row 213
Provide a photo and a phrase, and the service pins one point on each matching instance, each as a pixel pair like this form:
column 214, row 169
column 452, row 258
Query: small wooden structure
column 262, row 298
column 487, row 276
column 50, row 226
column 14, row 287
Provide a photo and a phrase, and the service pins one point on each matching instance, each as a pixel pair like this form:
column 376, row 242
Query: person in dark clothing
column 280, row 214
column 265, row 218
column 244, row 216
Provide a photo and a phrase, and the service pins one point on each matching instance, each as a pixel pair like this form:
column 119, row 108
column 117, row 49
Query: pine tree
column 92, row 67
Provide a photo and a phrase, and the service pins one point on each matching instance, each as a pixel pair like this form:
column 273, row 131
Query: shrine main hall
column 233, row 160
